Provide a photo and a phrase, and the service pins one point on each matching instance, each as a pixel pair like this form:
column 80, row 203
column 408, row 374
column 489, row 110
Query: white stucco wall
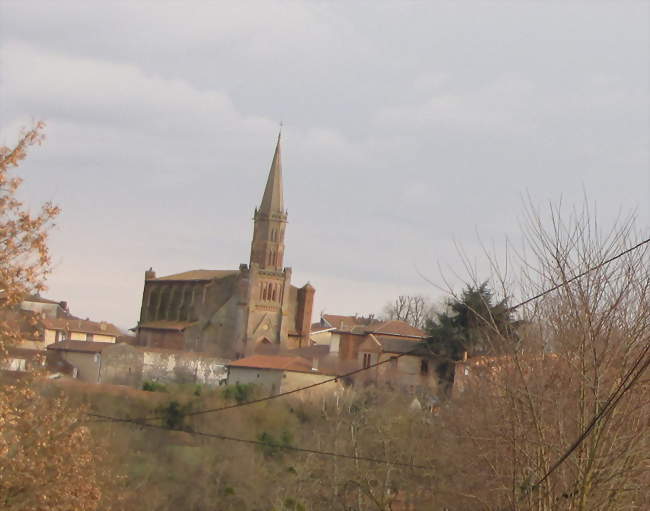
column 173, row 366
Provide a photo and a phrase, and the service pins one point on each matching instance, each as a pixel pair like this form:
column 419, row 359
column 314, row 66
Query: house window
column 89, row 337
column 17, row 364
column 393, row 362
column 424, row 367
column 366, row 360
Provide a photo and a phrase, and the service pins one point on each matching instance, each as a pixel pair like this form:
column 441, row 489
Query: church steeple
column 267, row 248
column 272, row 201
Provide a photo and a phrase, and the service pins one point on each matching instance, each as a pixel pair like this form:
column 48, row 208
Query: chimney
column 304, row 309
column 149, row 274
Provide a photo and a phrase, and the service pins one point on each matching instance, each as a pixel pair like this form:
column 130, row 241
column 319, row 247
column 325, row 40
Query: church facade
column 233, row 313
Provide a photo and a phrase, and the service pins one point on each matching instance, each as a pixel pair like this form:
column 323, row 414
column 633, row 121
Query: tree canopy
column 473, row 322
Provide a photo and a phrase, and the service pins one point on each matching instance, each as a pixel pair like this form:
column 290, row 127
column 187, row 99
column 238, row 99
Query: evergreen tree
column 474, row 323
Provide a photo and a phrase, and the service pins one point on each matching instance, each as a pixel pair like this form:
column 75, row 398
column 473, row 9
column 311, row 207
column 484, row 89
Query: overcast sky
column 408, row 127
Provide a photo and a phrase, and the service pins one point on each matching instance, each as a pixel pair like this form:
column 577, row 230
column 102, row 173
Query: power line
column 281, row 394
column 626, row 383
column 580, row 275
column 270, row 444
column 614, row 398
column 410, row 352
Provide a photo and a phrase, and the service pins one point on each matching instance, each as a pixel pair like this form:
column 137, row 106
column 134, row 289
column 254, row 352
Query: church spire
column 272, row 201
column 267, row 248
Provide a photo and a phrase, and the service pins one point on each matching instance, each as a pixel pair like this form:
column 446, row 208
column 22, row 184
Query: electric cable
column 273, row 445
column 417, row 348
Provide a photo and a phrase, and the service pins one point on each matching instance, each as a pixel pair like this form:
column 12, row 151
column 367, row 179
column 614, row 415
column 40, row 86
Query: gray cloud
column 408, row 126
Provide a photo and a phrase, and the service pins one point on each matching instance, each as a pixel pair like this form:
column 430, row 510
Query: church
column 233, row 313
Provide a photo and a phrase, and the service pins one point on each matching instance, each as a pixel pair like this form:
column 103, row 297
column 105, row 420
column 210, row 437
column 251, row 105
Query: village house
column 343, row 344
column 39, row 332
column 22, row 359
column 275, row 374
column 38, row 323
column 346, row 334
column 406, row 364
column 45, row 307
column 230, row 313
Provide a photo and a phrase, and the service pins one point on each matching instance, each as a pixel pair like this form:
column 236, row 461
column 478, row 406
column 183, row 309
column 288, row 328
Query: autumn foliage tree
column 24, row 255
column 47, row 458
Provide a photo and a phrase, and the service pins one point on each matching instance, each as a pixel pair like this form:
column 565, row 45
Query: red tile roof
column 178, row 326
column 397, row 327
column 340, row 322
column 81, row 346
column 199, row 275
column 361, row 325
column 279, row 363
column 81, row 325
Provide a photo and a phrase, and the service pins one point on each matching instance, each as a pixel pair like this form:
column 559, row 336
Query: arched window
column 274, row 291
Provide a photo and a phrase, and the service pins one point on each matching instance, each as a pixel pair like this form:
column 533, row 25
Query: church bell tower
column 267, row 248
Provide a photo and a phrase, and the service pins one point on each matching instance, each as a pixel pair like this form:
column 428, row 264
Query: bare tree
column 520, row 412
column 412, row 309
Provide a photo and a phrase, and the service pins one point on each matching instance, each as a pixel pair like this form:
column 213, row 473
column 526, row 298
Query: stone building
column 229, row 313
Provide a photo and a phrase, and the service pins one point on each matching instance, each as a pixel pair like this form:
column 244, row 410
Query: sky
column 411, row 131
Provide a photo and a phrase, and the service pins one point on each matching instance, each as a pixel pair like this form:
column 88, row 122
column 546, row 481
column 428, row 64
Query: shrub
column 239, row 392
column 271, row 446
column 154, row 386
column 174, row 414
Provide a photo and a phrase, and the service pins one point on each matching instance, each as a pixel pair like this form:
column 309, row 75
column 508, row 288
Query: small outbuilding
column 276, row 374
